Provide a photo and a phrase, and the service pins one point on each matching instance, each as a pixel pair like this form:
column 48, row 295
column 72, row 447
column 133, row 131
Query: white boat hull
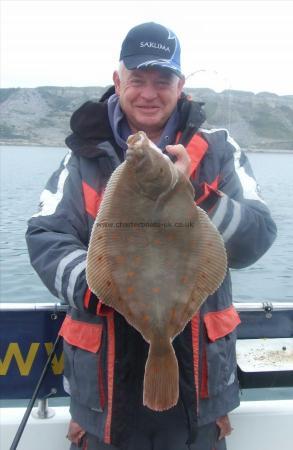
column 258, row 425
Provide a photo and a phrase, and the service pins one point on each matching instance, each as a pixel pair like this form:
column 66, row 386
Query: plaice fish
column 154, row 256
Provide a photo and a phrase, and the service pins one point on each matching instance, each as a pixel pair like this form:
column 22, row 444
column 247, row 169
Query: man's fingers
column 224, row 426
column 183, row 162
column 177, row 149
column 75, row 432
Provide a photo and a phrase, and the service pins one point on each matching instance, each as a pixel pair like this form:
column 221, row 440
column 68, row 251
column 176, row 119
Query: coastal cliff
column 40, row 116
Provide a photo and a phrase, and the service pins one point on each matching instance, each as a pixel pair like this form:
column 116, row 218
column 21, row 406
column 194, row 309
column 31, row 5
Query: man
column 104, row 356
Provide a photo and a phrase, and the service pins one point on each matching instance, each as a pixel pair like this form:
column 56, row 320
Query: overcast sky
column 245, row 45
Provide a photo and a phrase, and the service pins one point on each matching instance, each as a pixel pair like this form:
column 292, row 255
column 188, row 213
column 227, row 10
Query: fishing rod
column 34, row 396
column 214, row 84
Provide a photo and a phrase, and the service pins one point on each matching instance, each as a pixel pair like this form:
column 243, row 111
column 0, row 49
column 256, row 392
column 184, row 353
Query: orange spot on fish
column 156, row 290
column 157, row 241
column 130, row 274
column 130, row 289
column 146, row 318
column 119, row 259
column 184, row 280
column 170, row 237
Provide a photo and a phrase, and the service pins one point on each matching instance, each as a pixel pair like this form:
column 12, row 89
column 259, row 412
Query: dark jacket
column 104, row 356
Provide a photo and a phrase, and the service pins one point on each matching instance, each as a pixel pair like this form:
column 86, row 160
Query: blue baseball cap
column 151, row 44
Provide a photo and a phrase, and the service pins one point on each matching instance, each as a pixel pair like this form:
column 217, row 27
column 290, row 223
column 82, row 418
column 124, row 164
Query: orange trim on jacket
column 204, row 391
column 207, row 189
column 195, row 347
column 87, row 297
column 110, row 372
column 221, row 323
column 83, row 335
column 103, row 310
column 196, row 149
column 96, row 306
column 92, row 199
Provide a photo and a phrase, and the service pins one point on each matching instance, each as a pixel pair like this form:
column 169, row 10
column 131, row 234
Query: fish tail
column 161, row 379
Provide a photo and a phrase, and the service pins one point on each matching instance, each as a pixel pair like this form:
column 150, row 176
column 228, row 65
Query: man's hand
column 224, row 426
column 75, row 433
column 183, row 162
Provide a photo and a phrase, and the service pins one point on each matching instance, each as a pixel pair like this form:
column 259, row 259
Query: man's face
column 147, row 97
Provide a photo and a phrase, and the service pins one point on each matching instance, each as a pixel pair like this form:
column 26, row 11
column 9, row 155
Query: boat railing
column 240, row 306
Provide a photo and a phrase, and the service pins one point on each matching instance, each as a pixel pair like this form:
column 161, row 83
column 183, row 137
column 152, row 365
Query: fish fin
column 98, row 271
column 213, row 260
column 161, row 379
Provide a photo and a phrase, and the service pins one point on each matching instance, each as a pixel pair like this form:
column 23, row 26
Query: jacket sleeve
column 239, row 212
column 57, row 236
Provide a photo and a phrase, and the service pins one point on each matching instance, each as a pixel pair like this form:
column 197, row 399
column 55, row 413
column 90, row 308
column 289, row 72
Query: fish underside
column 154, row 256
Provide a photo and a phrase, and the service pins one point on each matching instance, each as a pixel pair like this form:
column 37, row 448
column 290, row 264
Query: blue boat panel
column 26, row 340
